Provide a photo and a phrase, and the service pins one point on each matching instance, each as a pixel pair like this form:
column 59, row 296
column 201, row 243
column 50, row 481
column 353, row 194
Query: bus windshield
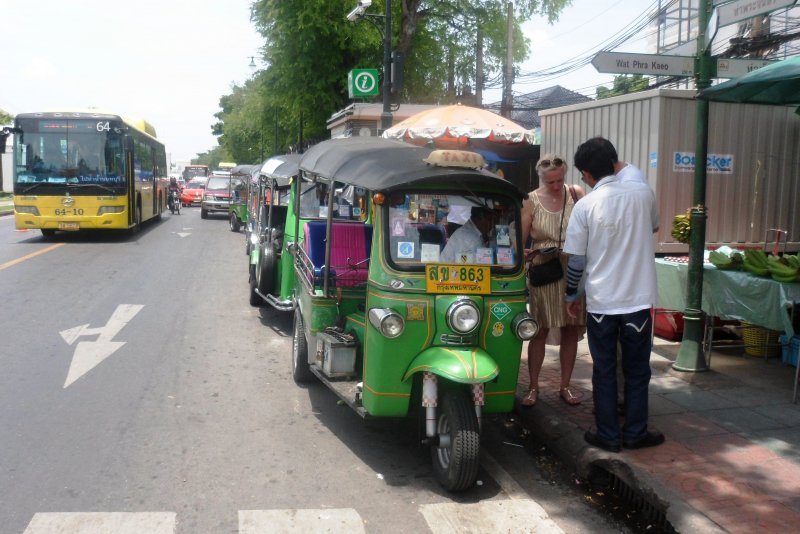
column 69, row 151
column 192, row 171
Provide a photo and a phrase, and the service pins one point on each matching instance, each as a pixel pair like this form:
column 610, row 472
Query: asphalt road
column 140, row 393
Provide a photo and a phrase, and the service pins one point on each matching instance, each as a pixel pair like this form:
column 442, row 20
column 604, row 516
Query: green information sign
column 362, row 82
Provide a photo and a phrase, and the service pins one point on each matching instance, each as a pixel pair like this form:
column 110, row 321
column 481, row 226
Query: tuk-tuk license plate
column 69, row 226
column 464, row 279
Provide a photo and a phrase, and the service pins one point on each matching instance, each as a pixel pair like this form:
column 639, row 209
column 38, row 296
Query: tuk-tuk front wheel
column 456, row 457
column 235, row 225
column 300, row 371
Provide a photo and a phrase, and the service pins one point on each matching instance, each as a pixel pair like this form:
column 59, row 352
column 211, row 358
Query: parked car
column 192, row 194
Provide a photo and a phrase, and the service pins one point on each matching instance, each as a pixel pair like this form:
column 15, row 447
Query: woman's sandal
column 570, row 395
column 531, row 398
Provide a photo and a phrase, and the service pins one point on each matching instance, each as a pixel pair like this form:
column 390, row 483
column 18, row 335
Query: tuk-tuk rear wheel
column 300, row 371
column 255, row 299
column 456, row 459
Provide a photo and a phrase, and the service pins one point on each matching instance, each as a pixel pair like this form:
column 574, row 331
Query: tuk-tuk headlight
column 463, row 316
column 525, row 326
column 387, row 321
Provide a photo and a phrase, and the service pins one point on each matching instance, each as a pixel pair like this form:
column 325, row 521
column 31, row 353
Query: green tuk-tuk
column 397, row 307
column 268, row 233
column 241, row 183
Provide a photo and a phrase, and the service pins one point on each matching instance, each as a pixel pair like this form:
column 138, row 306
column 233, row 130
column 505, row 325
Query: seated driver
column 474, row 234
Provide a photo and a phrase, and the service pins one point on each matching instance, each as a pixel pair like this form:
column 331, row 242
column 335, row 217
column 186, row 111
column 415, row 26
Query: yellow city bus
column 86, row 170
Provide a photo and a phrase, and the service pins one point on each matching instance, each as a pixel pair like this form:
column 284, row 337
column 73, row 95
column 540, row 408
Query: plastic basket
column 760, row 341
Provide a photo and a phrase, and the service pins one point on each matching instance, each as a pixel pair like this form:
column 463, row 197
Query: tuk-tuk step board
column 344, row 389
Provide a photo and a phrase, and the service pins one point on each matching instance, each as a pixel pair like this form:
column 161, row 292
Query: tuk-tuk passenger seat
column 351, row 244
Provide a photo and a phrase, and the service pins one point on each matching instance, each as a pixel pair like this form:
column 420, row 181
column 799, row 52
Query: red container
column 669, row 324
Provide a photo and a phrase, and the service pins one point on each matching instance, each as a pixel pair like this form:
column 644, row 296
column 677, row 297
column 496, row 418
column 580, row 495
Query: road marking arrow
column 89, row 354
column 183, row 234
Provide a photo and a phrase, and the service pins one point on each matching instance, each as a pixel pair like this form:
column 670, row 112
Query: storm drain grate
column 652, row 513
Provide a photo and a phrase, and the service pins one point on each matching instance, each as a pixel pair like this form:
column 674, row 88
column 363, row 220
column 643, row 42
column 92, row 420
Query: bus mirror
column 5, row 132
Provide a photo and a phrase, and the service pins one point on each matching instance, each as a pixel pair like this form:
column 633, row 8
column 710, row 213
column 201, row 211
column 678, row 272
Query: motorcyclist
column 174, row 190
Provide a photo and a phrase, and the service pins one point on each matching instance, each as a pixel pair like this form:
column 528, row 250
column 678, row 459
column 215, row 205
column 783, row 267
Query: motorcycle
column 174, row 202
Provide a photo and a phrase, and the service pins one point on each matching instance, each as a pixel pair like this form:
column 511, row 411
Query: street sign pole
column 691, row 356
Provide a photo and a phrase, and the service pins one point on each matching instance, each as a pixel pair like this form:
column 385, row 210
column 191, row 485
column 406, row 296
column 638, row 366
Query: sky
column 170, row 61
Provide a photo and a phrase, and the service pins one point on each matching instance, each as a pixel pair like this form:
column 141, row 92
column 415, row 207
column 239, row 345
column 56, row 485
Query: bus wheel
column 235, row 223
column 48, row 232
column 255, row 299
column 300, row 371
column 456, row 456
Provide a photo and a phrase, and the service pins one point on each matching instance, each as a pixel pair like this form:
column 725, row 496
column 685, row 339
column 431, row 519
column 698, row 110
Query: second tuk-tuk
column 409, row 288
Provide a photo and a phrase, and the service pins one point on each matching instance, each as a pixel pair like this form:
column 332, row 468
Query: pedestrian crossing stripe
column 102, row 523
column 301, row 520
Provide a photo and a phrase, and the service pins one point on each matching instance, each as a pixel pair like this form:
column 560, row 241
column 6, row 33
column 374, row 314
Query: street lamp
column 358, row 13
column 252, row 64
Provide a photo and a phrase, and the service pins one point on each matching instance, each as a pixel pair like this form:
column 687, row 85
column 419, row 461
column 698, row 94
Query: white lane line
column 294, row 520
column 102, row 523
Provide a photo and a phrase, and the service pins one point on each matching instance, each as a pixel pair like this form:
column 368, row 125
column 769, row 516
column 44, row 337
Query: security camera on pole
column 357, row 14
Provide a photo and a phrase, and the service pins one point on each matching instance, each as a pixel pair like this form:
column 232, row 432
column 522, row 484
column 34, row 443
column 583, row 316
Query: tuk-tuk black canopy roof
column 246, row 170
column 281, row 168
column 381, row 164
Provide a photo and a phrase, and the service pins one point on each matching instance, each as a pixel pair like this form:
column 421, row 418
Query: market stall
column 735, row 295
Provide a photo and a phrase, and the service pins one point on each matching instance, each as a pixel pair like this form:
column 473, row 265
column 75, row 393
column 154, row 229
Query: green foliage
column 5, row 117
column 623, row 85
column 212, row 157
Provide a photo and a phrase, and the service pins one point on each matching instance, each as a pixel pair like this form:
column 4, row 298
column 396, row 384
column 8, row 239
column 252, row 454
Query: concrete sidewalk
column 731, row 460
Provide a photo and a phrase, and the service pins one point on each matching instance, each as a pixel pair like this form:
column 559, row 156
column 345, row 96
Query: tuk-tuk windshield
column 349, row 202
column 453, row 228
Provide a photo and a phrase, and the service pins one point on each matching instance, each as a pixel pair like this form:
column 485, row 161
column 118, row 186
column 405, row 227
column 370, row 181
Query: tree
column 5, row 117
column 309, row 46
column 623, row 85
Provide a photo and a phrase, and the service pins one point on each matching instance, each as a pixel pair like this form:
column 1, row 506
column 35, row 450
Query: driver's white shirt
column 464, row 240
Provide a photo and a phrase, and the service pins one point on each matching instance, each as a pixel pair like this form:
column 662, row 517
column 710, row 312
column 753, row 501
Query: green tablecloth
column 731, row 295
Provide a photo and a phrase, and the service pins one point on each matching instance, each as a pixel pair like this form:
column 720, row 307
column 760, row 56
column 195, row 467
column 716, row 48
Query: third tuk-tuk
column 404, row 302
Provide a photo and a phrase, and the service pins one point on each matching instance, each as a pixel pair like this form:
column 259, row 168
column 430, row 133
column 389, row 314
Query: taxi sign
column 455, row 158
column 461, row 279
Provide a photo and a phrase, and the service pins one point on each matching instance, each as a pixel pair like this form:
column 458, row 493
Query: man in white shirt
column 465, row 241
column 610, row 237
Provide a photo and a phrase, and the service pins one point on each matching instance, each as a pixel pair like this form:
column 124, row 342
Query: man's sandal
column 531, row 398
column 570, row 395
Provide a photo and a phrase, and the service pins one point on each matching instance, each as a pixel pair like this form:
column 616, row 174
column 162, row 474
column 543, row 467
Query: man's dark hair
column 595, row 158
column 604, row 144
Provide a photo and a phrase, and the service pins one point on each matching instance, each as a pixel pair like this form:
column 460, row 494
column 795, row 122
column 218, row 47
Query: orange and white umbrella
column 457, row 126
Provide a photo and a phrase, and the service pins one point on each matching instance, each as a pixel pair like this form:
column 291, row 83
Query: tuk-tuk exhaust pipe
column 429, row 401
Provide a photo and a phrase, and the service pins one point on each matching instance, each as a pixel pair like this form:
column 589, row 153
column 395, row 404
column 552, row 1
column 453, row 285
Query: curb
column 565, row 440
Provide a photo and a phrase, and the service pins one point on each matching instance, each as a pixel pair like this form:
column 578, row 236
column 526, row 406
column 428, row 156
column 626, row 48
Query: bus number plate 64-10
column 464, row 279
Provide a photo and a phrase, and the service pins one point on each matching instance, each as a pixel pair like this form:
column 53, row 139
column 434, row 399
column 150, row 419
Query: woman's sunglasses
column 555, row 162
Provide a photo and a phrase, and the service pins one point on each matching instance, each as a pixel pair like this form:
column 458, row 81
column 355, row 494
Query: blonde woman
column 545, row 216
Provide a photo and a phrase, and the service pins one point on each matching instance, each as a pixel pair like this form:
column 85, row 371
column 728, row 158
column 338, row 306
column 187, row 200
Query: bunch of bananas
column 786, row 269
column 682, row 227
column 755, row 262
column 724, row 261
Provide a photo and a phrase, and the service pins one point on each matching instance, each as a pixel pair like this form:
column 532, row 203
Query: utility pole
column 508, row 78
column 479, row 69
column 386, row 115
column 691, row 356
